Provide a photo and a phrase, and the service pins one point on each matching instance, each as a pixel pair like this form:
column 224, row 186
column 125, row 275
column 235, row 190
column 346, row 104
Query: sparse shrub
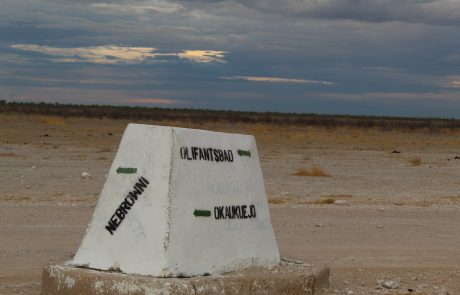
column 415, row 161
column 315, row 171
column 327, row 201
column 318, row 171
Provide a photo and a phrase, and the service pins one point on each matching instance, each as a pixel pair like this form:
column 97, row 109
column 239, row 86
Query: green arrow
column 244, row 153
column 126, row 170
column 202, row 213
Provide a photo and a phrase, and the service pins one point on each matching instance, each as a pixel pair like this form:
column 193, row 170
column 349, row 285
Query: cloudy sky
column 374, row 57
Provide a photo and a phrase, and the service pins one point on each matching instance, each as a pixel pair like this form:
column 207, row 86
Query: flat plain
column 384, row 209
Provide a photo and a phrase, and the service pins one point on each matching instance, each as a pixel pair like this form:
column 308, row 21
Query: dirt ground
column 387, row 214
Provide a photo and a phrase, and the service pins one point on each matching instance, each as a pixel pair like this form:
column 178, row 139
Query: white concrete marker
column 181, row 202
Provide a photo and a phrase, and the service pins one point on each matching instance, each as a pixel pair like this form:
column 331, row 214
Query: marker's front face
column 220, row 217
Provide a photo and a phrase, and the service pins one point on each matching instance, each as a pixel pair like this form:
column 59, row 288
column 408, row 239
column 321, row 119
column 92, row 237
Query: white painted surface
column 160, row 235
column 138, row 244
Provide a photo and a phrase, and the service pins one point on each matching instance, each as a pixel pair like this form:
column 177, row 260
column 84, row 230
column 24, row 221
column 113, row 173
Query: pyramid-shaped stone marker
column 181, row 202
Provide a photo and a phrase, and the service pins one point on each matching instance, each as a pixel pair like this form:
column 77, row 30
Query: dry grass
column 15, row 198
column 416, row 203
column 415, row 161
column 270, row 136
column 301, row 172
column 315, row 171
column 79, row 157
column 452, row 198
column 52, row 120
column 260, row 128
column 104, row 150
column 6, row 155
column 328, row 200
column 276, row 200
column 102, row 159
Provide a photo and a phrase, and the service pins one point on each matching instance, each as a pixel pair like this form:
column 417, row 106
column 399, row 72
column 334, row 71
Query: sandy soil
column 396, row 216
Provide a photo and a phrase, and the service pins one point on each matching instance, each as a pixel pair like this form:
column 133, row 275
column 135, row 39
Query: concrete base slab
column 283, row 279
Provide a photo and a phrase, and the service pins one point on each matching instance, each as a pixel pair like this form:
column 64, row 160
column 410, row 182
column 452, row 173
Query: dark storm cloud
column 443, row 12
column 360, row 57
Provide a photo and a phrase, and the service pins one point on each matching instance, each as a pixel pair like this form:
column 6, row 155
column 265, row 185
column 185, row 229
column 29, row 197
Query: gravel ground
column 386, row 224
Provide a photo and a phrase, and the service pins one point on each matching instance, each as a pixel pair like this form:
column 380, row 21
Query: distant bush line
column 204, row 116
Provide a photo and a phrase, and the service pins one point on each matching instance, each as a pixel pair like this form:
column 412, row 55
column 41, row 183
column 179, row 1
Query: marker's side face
column 220, row 219
column 129, row 224
column 181, row 202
